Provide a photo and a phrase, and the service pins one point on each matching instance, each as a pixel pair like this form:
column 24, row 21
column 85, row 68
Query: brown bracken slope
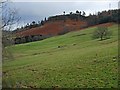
column 55, row 27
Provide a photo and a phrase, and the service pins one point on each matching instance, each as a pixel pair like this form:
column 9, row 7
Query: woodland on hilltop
column 98, row 18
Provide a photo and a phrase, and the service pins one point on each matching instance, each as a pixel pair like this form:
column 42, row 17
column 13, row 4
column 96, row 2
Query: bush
column 23, row 40
column 17, row 40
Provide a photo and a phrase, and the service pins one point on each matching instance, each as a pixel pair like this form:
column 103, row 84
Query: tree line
column 91, row 19
column 104, row 17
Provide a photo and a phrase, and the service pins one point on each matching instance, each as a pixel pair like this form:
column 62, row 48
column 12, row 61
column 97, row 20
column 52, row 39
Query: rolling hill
column 73, row 60
column 53, row 28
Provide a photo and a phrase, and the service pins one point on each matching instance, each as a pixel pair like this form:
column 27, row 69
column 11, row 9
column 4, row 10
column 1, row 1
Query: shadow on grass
column 103, row 39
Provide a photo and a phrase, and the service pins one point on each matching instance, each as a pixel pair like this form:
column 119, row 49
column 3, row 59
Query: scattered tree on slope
column 101, row 32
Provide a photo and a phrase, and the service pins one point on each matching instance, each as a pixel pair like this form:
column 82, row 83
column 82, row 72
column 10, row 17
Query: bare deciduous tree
column 9, row 17
column 102, row 32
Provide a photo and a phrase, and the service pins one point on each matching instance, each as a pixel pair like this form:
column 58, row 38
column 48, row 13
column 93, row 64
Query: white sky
column 64, row 0
column 36, row 10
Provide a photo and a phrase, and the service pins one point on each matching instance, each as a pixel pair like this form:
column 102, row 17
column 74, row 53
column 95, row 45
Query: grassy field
column 80, row 62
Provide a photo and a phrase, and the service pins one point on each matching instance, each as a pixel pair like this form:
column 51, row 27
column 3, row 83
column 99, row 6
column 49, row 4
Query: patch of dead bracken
column 53, row 28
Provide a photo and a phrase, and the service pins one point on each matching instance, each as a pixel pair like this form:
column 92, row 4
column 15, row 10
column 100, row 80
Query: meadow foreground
column 71, row 60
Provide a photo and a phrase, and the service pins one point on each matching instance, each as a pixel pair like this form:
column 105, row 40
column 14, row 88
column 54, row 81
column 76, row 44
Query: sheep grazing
column 62, row 46
column 59, row 46
column 74, row 44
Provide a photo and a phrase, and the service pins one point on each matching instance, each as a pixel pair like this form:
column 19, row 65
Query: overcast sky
column 36, row 10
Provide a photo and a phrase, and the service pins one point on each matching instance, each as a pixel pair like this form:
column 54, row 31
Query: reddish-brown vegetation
column 53, row 28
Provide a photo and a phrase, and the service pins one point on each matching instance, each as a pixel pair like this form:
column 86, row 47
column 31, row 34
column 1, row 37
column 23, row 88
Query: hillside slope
column 53, row 28
column 70, row 61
